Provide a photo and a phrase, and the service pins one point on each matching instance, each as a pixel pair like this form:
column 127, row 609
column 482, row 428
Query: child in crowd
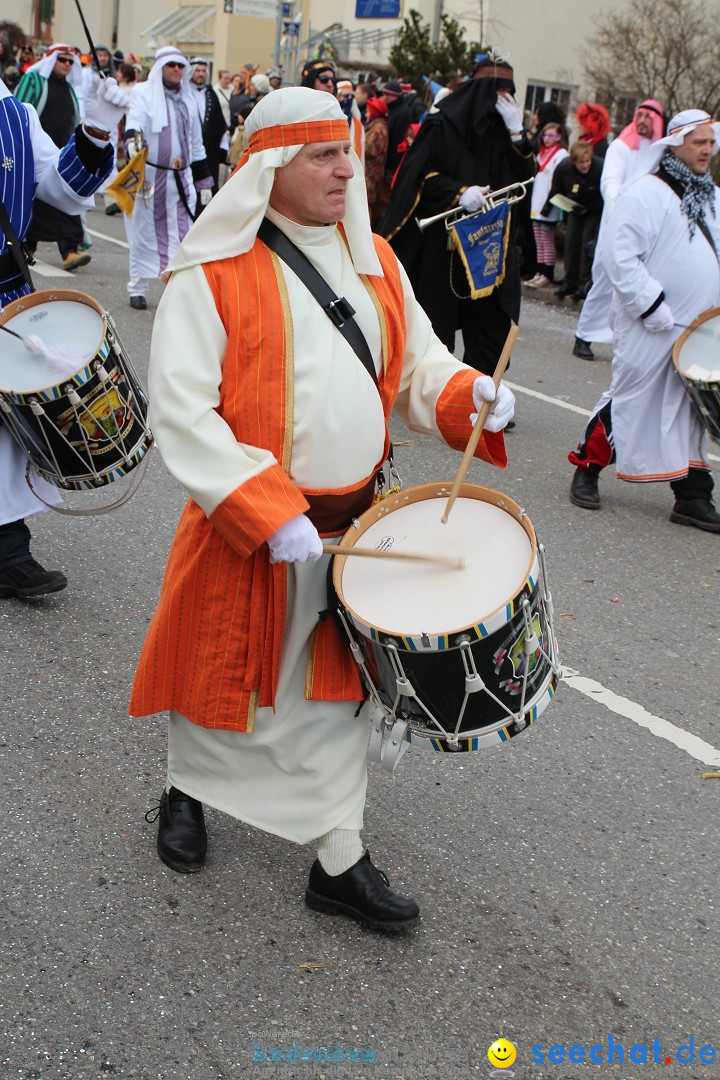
column 552, row 143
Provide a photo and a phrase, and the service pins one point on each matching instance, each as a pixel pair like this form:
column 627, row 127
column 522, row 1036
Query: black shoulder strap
column 677, row 187
column 337, row 308
column 15, row 247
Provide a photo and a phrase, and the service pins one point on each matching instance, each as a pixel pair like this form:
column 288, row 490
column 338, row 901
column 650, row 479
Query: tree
column 414, row 54
column 664, row 49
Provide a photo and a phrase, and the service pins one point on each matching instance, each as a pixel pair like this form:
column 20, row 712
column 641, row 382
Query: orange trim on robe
column 452, row 413
column 214, row 645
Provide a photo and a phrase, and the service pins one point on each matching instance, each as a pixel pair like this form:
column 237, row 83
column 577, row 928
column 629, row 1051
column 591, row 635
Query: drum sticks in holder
column 480, row 423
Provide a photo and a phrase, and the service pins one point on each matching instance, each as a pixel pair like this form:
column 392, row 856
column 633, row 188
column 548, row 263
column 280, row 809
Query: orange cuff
column 255, row 510
column 452, row 414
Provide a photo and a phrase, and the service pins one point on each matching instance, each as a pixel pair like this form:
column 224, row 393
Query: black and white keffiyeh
column 698, row 190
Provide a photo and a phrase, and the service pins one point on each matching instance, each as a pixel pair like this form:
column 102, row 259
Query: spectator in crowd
column 362, row 92
column 126, row 77
column 50, row 85
column 416, row 105
column 6, row 54
column 399, row 120
column 258, row 86
column 239, row 139
column 212, row 121
column 275, row 78
column 105, row 60
column 319, row 75
column 376, row 144
column 578, row 179
column 346, row 96
column 548, row 112
column 224, row 89
column 26, row 58
column 545, row 216
column 594, row 123
column 11, row 78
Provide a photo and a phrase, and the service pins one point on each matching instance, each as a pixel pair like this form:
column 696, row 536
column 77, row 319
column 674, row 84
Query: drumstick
column 373, row 553
column 480, row 422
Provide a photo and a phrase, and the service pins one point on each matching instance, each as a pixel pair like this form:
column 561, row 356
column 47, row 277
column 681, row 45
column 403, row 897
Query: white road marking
column 111, row 239
column 47, row 270
column 561, row 404
column 697, row 748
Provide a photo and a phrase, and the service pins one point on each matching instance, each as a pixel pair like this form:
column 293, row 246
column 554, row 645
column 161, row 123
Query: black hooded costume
column 464, row 143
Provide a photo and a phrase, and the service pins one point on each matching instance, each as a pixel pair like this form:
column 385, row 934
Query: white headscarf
column 229, row 224
column 681, row 125
column 158, row 105
column 46, row 65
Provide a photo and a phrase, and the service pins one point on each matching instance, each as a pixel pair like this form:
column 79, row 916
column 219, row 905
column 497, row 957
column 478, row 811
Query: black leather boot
column 362, row 893
column 27, row 579
column 584, row 489
column 698, row 512
column 582, row 349
column 182, row 837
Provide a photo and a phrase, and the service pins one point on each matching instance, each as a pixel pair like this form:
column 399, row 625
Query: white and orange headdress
column 278, row 127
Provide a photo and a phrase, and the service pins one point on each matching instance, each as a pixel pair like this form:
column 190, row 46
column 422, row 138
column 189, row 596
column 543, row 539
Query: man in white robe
column 163, row 115
column 300, row 770
column 34, row 167
column 662, row 260
column 628, row 157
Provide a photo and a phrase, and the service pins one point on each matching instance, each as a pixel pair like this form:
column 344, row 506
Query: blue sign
column 377, row 9
column 286, row 11
column 481, row 241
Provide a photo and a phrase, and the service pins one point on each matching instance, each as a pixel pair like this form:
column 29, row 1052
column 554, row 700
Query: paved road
column 567, row 880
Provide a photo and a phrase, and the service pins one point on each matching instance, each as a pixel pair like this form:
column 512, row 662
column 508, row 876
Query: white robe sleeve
column 632, row 234
column 614, row 170
column 186, row 362
column 427, row 368
column 51, row 187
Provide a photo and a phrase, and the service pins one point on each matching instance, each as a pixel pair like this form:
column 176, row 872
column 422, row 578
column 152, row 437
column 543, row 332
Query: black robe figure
column 464, row 144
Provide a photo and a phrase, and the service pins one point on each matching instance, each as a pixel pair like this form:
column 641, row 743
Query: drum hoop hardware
column 97, row 511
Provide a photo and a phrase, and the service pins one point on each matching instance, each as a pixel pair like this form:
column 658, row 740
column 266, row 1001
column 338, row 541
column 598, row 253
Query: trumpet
column 511, row 194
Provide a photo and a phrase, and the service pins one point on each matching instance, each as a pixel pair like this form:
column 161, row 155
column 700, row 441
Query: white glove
column 473, row 198
column 511, row 113
column 105, row 104
column 502, row 409
column 660, row 319
column 204, row 196
column 296, row 541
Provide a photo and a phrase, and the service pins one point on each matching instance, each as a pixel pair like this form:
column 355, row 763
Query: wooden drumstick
column 408, row 556
column 480, row 422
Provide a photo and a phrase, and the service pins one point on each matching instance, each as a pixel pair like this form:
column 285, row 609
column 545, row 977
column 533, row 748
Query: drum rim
column 703, row 317
column 439, row 490
column 41, row 296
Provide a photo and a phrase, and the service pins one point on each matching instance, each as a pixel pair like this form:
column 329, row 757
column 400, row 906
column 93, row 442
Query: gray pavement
column 567, row 880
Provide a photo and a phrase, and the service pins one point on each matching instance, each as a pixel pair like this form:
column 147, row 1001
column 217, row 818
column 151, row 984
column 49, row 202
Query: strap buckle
column 339, row 311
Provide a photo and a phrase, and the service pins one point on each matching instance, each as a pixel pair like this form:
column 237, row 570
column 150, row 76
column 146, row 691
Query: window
column 539, row 92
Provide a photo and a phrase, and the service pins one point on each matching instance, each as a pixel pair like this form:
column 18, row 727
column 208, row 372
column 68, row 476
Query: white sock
column 339, row 849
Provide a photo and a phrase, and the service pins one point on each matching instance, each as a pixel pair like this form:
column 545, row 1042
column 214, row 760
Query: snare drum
column 84, row 431
column 696, row 355
column 456, row 659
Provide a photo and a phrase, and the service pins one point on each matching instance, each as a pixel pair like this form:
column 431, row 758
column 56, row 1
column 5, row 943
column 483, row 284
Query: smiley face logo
column 501, row 1054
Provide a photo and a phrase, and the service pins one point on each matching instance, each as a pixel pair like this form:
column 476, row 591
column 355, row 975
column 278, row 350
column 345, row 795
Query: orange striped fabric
column 452, row 414
column 309, row 131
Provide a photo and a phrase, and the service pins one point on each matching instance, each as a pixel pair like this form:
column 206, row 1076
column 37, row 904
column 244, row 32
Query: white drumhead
column 419, row 597
column 59, row 324
column 699, row 356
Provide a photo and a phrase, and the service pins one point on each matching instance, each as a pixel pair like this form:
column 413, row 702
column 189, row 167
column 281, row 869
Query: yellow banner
column 127, row 183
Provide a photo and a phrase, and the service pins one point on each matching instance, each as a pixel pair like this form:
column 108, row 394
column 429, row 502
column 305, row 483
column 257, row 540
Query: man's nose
column 345, row 167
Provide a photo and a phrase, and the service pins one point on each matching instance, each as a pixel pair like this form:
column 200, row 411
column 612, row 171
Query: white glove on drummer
column 660, row 319
column 105, row 104
column 473, row 198
column 296, row 541
column 502, row 409
column 511, row 113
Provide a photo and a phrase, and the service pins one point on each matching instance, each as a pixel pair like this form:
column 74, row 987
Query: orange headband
column 310, row 131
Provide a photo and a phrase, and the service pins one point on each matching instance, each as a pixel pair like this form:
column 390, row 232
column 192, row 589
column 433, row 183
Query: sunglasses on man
column 325, row 79
column 64, row 59
column 174, row 64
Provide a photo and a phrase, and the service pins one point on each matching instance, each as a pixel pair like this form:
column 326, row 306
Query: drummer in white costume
column 66, row 178
column 661, row 256
column 631, row 155
column 163, row 113
column 297, row 770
